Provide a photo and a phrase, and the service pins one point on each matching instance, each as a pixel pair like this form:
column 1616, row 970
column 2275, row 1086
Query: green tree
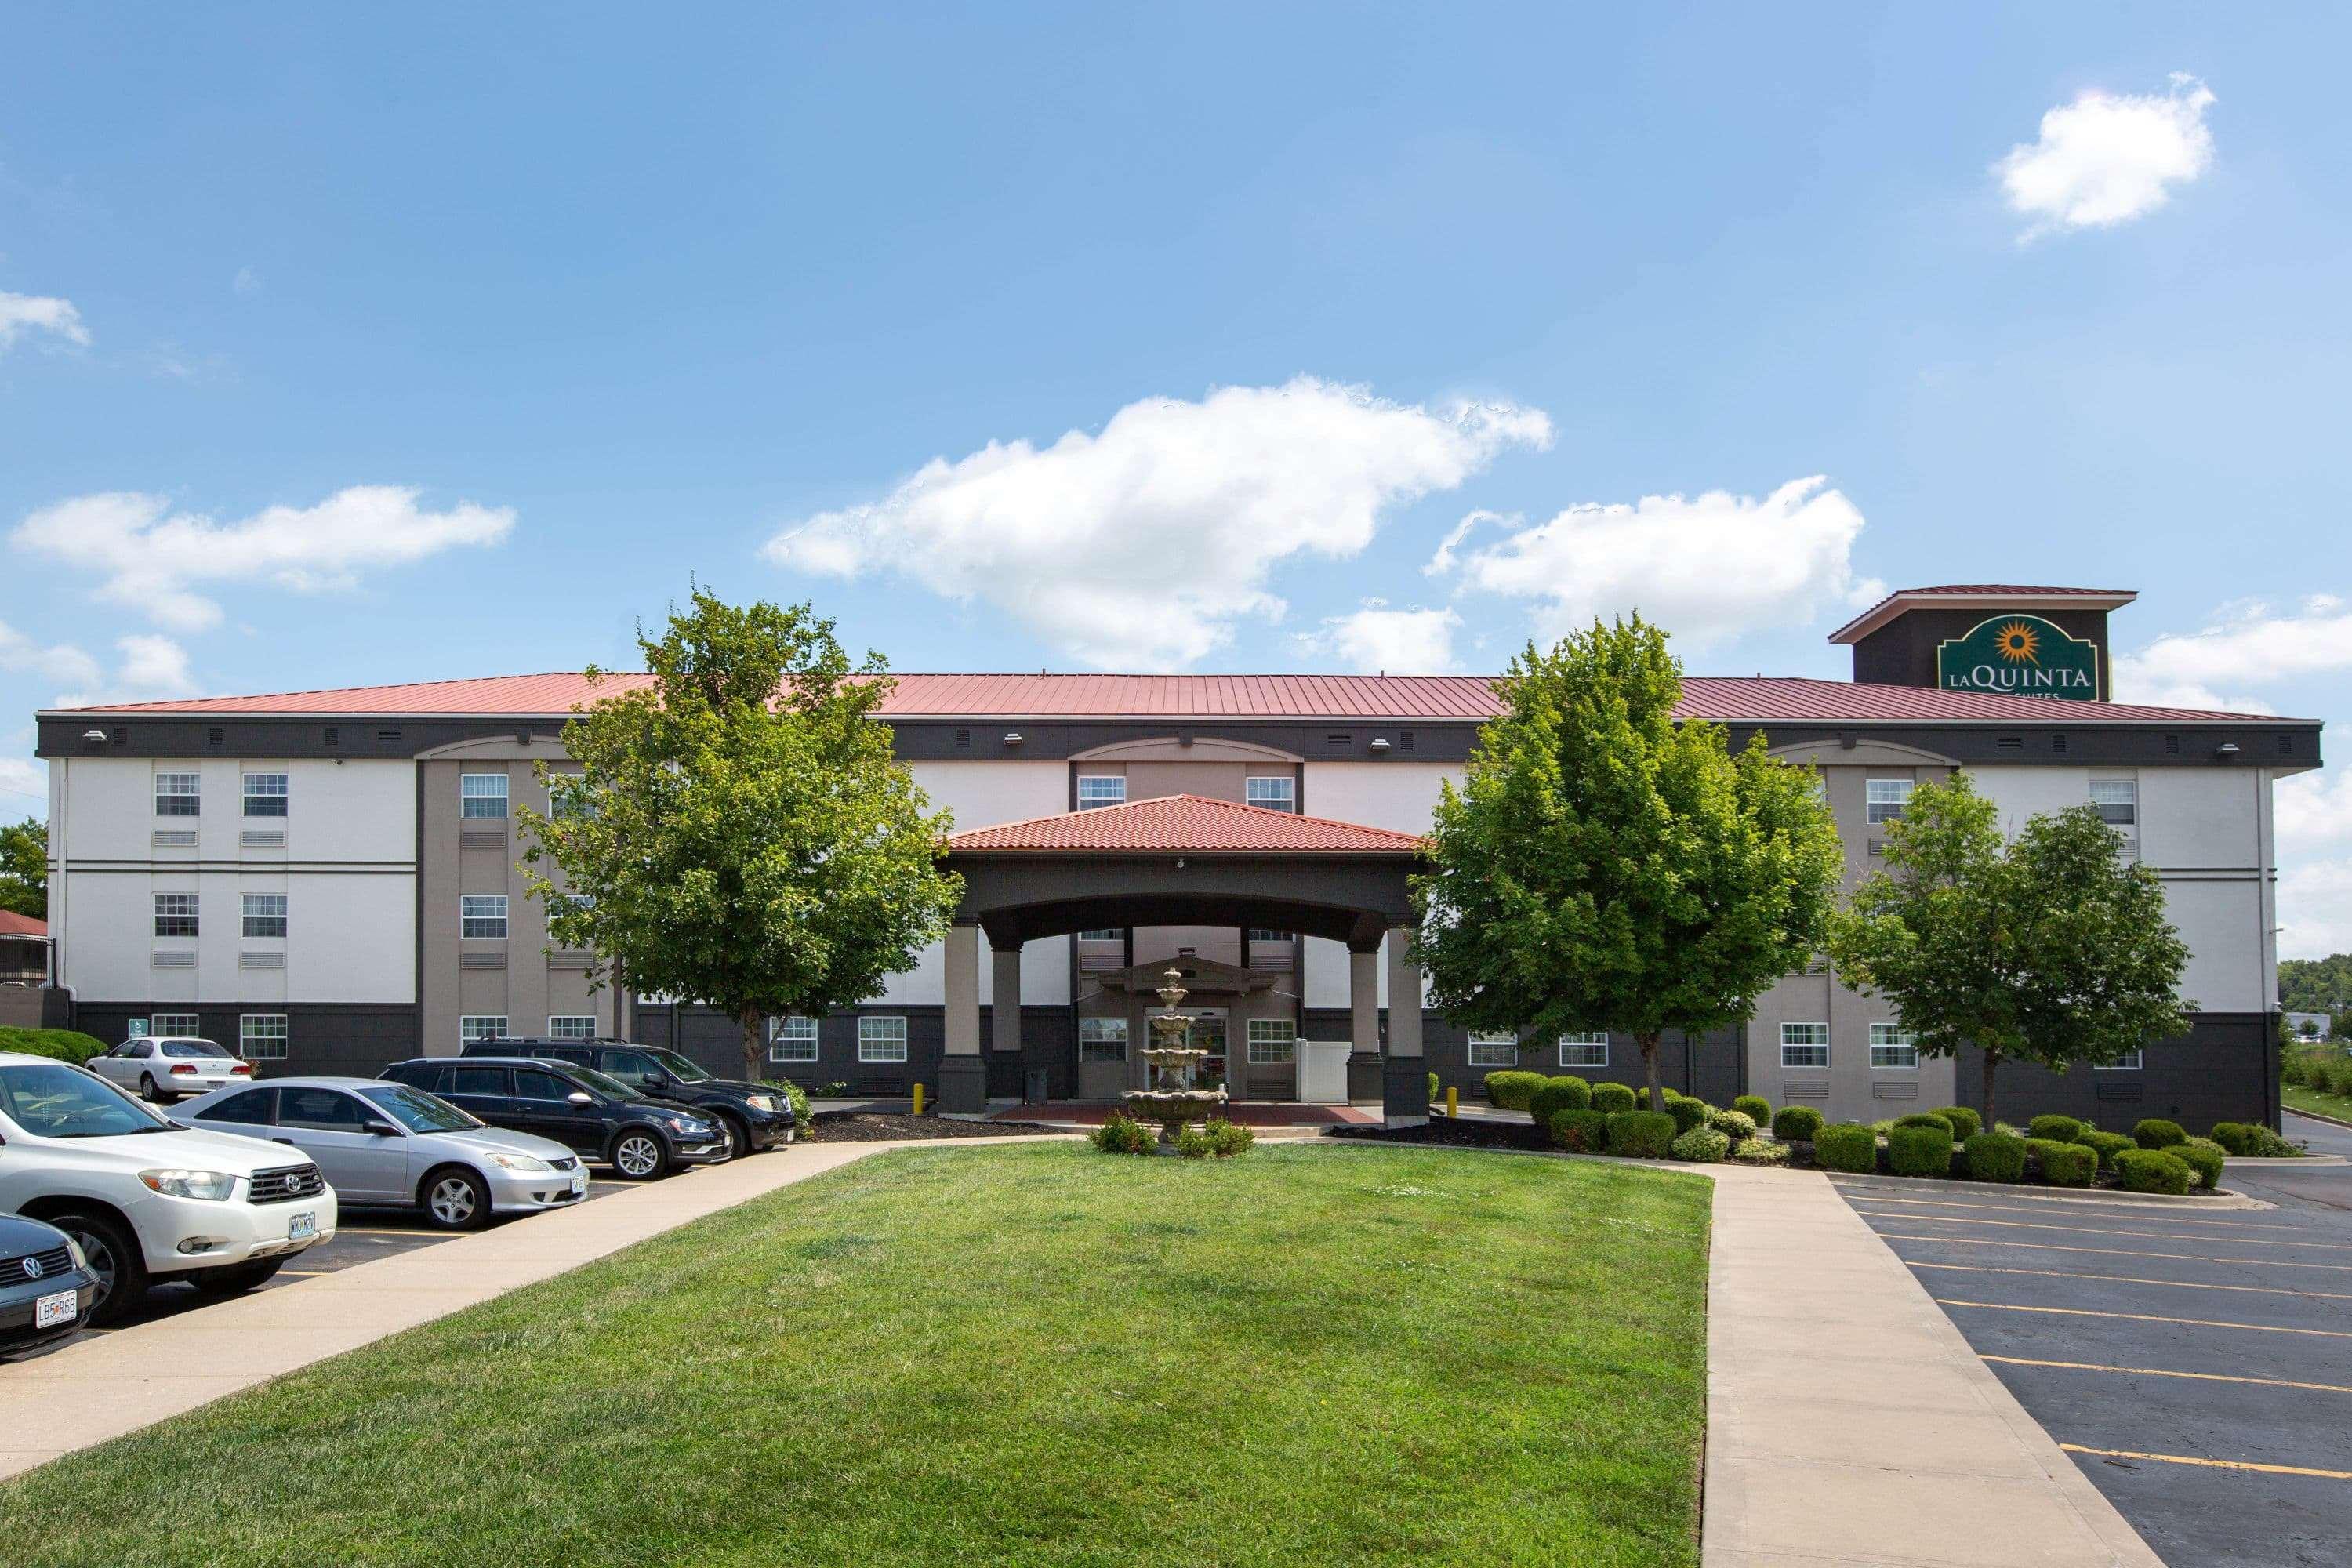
column 25, row 867
column 2050, row 948
column 739, row 833
column 1605, row 867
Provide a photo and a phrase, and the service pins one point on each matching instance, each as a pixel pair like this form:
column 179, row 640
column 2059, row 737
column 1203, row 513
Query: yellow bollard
column 1453, row 1102
column 918, row 1099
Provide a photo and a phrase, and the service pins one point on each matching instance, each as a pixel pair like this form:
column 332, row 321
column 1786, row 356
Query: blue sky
column 521, row 317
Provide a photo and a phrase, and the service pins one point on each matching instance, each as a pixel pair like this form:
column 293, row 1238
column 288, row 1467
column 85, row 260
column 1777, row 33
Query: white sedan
column 171, row 1066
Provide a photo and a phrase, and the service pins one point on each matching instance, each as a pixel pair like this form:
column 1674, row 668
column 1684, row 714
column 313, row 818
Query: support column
column 1404, row 1072
column 963, row 1077
column 1363, row 1001
column 1004, row 999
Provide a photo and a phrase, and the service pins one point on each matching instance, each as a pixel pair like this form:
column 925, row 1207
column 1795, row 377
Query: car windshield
column 605, row 1083
column 51, row 1100
column 679, row 1068
column 191, row 1048
column 417, row 1110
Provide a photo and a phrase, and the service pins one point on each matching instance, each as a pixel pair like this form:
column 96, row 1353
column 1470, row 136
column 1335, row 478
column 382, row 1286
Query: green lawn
column 2294, row 1097
column 1021, row 1355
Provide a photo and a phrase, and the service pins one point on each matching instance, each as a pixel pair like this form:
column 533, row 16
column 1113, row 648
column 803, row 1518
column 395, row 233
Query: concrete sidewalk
column 1849, row 1422
column 106, row 1385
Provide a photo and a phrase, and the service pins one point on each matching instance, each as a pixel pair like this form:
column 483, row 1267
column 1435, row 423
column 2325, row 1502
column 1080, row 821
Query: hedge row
column 65, row 1044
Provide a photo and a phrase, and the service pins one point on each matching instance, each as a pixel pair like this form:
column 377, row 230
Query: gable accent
column 1175, row 749
column 1862, row 753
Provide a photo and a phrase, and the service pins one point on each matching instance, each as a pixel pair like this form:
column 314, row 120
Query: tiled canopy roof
column 1396, row 699
column 14, row 924
column 1184, row 824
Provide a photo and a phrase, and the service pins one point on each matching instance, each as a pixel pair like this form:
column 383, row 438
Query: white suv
column 148, row 1200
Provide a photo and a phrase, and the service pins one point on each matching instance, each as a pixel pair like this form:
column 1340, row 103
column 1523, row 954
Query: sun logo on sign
column 2018, row 642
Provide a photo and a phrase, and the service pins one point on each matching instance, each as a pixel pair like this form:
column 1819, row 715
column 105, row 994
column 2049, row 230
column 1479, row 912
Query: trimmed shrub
column 2108, row 1144
column 2250, row 1140
column 1191, row 1143
column 1436, row 1091
column 1920, row 1147
column 1994, row 1157
column 1122, row 1134
column 2153, row 1170
column 1226, row 1140
column 1965, row 1123
column 1759, row 1152
column 2336, row 1077
column 2056, row 1129
column 1583, row 1131
column 64, row 1045
column 1736, row 1125
column 1754, row 1107
column 1511, row 1088
column 1796, row 1124
column 2156, row 1133
column 1849, row 1146
column 2203, row 1156
column 1557, row 1095
column 1688, row 1113
column 1925, row 1119
column 1702, row 1144
column 1644, row 1134
column 2064, row 1164
column 1613, row 1097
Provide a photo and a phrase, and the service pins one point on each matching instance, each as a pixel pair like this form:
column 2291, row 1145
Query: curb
column 2320, row 1116
column 2034, row 1192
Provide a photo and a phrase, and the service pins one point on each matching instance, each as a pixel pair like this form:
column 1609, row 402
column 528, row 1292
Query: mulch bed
column 877, row 1127
column 1468, row 1133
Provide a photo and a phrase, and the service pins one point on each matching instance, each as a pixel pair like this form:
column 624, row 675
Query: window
column 793, row 1041
column 1258, row 934
column 1101, row 789
column 1114, row 934
column 1494, row 1050
column 1886, row 800
column 2128, row 1062
column 538, row 1084
column 265, row 914
column 175, row 914
column 328, row 1109
column 178, row 795
column 482, row 795
column 1806, row 1045
column 573, row 1027
column 1590, row 1050
column 482, row 916
column 1893, row 1045
column 562, row 904
column 881, row 1039
column 1102, row 1040
column 1272, row 1040
column 1277, row 793
column 568, row 797
column 251, row 1108
column 167, row 1023
column 265, row 794
column 476, row 1026
column 2117, row 801
column 478, row 1080
column 261, row 1036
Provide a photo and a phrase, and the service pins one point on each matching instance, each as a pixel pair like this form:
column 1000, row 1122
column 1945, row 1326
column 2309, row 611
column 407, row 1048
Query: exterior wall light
column 2226, row 749
column 1379, row 743
column 1013, row 737
column 93, row 735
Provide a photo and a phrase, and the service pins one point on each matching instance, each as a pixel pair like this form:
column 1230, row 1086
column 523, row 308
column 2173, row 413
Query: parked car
column 145, row 1199
column 171, row 1066
column 753, row 1116
column 600, row 1117
column 45, row 1285
column 387, row 1144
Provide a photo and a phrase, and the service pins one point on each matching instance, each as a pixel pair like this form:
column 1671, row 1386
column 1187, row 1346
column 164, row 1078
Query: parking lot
column 2196, row 1365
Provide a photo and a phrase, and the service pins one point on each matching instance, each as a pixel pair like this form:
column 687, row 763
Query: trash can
column 1038, row 1090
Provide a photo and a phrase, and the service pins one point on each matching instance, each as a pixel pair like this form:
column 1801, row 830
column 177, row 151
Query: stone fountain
column 1172, row 1100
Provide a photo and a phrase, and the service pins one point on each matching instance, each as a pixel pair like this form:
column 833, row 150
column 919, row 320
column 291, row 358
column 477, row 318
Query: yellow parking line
column 2146, row 1317
column 2127, row 1280
column 1872, row 1197
column 2107, row 1251
column 2210, row 1464
column 2161, row 1372
column 2095, row 1230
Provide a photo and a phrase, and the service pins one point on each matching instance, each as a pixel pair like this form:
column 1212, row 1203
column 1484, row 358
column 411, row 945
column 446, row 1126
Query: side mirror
column 580, row 1097
column 381, row 1130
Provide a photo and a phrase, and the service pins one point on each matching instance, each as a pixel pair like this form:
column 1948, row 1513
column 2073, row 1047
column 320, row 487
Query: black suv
column 752, row 1115
column 603, row 1118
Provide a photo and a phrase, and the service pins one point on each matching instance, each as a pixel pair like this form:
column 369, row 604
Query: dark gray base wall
column 1049, row 1040
column 1711, row 1065
column 2224, row 1070
column 356, row 1038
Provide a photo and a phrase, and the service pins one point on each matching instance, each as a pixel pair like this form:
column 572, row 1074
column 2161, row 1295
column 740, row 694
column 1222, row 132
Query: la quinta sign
column 2024, row 656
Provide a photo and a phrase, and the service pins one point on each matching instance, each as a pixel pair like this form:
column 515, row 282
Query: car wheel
column 238, row 1277
column 738, row 1136
column 455, row 1200
column 113, row 1256
column 147, row 1089
column 639, row 1154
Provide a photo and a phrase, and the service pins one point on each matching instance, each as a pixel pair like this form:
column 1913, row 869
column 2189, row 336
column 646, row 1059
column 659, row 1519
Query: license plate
column 60, row 1308
column 579, row 1181
column 302, row 1228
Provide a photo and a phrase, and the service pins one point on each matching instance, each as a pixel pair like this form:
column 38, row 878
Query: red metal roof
column 2019, row 595
column 14, row 924
column 1185, row 825
column 1427, row 699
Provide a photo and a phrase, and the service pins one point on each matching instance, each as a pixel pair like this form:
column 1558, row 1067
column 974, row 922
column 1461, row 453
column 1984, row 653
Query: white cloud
column 152, row 558
column 1376, row 639
column 150, row 667
column 23, row 776
column 59, row 662
column 2315, row 900
column 1707, row 568
column 2108, row 158
column 1144, row 544
column 35, row 314
column 2246, row 645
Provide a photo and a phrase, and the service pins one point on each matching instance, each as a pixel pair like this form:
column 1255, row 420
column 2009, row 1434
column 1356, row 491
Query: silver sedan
column 386, row 1143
